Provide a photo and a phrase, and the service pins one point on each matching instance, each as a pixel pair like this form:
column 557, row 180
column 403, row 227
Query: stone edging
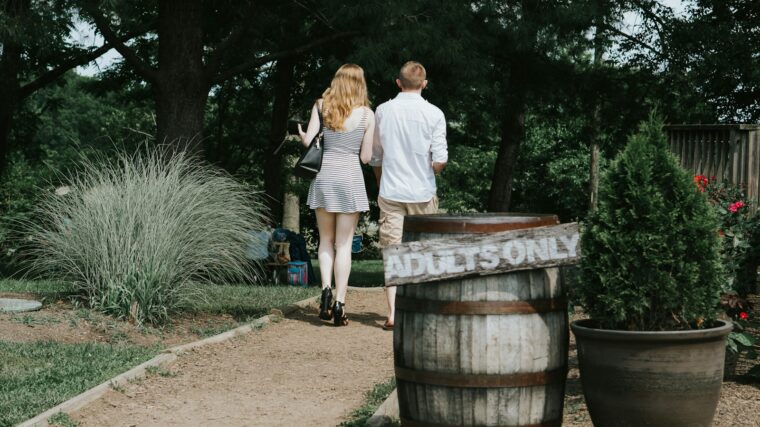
column 387, row 413
column 165, row 356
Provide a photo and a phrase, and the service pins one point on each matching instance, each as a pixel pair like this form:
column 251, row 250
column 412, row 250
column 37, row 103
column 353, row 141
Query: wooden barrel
column 485, row 351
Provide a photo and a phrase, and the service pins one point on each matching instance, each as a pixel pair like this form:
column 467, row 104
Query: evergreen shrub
column 651, row 252
column 134, row 233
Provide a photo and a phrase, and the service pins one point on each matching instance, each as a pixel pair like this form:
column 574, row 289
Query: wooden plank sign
column 479, row 255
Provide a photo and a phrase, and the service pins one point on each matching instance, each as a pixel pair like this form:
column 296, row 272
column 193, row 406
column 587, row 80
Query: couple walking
column 405, row 142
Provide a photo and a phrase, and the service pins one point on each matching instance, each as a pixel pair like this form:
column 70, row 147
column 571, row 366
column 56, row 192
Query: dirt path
column 300, row 371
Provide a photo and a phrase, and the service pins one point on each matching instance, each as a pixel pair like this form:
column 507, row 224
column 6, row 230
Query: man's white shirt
column 410, row 134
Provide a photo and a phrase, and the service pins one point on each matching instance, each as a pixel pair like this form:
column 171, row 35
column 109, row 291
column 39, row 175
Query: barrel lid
column 489, row 222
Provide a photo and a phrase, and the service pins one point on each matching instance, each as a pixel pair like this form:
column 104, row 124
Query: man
column 409, row 149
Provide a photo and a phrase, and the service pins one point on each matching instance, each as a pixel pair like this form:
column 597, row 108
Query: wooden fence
column 730, row 153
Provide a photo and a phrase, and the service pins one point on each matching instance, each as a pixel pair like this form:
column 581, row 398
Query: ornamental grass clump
column 133, row 233
column 651, row 256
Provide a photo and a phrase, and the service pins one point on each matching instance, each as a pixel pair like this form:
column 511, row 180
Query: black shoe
column 339, row 314
column 324, row 305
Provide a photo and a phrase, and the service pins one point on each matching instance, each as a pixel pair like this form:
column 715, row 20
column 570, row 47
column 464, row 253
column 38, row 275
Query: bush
column 650, row 251
column 132, row 234
column 739, row 231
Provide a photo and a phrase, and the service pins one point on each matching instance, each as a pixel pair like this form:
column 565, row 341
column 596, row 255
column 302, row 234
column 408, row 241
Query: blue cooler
column 298, row 274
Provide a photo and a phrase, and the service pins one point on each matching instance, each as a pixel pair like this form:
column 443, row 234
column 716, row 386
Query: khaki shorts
column 392, row 217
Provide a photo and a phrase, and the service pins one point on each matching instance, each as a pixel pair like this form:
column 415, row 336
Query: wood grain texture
column 478, row 255
column 729, row 153
column 521, row 357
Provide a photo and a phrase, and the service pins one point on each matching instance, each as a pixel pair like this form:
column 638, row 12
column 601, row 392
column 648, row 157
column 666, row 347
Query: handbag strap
column 321, row 125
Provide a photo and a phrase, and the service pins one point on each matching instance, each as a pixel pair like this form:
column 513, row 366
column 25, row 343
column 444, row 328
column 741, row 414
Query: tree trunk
column 273, row 182
column 10, row 90
column 596, row 120
column 182, row 87
column 291, row 215
column 512, row 134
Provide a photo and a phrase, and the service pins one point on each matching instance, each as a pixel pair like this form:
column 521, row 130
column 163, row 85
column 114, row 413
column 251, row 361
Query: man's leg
column 391, row 228
column 424, row 208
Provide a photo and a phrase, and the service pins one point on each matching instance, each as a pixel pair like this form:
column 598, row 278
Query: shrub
column 133, row 233
column 739, row 231
column 650, row 251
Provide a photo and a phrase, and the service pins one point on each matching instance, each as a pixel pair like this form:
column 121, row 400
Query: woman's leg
column 344, row 233
column 326, row 251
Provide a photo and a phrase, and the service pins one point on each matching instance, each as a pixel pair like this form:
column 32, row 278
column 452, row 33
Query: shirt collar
column 409, row 95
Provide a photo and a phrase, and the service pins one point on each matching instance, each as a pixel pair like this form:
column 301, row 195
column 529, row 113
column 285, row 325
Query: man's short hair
column 412, row 75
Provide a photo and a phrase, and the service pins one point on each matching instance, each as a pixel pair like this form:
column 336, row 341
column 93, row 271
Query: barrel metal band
column 522, row 379
column 413, row 423
column 481, row 307
column 462, row 226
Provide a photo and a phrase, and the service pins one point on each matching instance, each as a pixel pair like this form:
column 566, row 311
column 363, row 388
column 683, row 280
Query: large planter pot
column 638, row 379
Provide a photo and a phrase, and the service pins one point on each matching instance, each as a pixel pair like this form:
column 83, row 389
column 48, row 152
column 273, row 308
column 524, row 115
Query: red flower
column 743, row 315
column 733, row 207
column 701, row 182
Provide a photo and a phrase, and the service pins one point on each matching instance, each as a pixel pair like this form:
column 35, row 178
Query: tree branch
column 257, row 62
column 143, row 69
column 50, row 76
column 215, row 59
column 631, row 38
column 647, row 11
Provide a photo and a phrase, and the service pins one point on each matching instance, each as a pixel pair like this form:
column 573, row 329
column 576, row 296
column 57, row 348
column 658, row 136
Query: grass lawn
column 364, row 273
column 37, row 376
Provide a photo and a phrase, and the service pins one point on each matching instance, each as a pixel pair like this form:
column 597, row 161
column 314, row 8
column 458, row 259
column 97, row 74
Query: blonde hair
column 412, row 75
column 347, row 91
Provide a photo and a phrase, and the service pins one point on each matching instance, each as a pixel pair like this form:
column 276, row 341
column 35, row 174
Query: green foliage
column 246, row 302
column 36, row 376
column 372, row 401
column 133, row 234
column 464, row 184
column 553, row 168
column 57, row 127
column 650, row 251
column 19, row 192
column 62, row 419
column 739, row 231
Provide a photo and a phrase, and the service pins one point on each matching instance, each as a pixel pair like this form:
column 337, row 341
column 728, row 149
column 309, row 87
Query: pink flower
column 733, row 207
column 743, row 315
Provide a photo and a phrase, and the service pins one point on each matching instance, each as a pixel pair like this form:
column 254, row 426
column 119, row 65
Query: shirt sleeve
column 439, row 148
column 377, row 147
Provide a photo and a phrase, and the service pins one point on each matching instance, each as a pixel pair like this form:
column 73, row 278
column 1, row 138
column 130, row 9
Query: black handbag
column 311, row 160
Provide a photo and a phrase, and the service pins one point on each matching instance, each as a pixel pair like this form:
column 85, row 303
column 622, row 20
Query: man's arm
column 377, row 147
column 439, row 148
column 378, row 173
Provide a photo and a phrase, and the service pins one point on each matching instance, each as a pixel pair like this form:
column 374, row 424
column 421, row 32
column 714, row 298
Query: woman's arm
column 365, row 154
column 313, row 128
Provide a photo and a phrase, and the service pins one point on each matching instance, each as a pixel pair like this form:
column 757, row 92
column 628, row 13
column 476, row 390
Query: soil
column 63, row 322
column 300, row 371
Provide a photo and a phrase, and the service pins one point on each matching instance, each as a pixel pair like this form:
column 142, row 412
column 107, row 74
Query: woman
column 337, row 194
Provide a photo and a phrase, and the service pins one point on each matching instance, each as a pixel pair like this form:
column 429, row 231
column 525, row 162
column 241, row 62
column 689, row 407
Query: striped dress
column 339, row 185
